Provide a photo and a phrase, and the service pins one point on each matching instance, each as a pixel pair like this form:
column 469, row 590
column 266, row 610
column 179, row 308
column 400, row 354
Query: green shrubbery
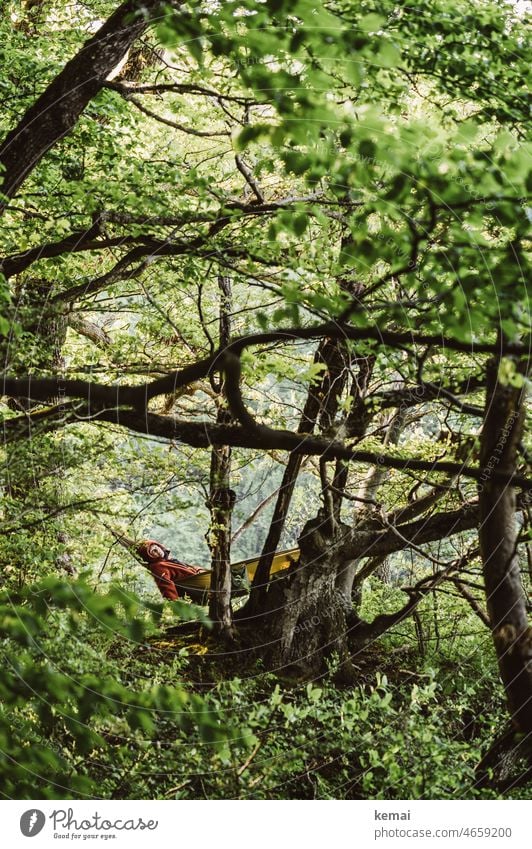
column 67, row 711
column 384, row 741
column 92, row 708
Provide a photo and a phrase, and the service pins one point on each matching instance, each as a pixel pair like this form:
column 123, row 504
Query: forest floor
column 209, row 660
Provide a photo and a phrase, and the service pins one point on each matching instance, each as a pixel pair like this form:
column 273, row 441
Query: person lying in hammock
column 167, row 572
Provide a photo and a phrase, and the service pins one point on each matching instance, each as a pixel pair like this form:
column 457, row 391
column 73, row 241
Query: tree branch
column 370, row 541
column 127, row 89
column 150, row 249
column 174, row 124
column 471, row 600
column 104, row 407
column 249, row 178
column 90, row 330
column 423, row 392
column 368, row 631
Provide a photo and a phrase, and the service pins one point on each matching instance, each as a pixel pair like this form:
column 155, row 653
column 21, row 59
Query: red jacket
column 166, row 572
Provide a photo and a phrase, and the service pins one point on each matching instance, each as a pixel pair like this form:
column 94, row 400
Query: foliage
column 64, row 703
column 366, row 165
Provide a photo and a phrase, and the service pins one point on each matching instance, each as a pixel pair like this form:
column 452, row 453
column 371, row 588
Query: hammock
column 202, row 581
column 281, row 561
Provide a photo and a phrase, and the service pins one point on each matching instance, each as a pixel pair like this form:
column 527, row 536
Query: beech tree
column 343, row 189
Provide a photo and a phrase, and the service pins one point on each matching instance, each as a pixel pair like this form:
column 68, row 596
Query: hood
column 144, row 548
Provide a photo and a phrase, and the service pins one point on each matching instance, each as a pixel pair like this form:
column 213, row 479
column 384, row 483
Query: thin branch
column 249, row 178
column 253, row 515
column 150, row 249
column 369, row 631
column 127, row 89
column 174, row 124
column 471, row 600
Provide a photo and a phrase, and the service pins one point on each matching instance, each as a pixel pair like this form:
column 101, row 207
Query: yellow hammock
column 202, row 581
column 281, row 561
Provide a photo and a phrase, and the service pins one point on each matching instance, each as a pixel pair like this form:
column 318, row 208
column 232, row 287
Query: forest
column 265, row 302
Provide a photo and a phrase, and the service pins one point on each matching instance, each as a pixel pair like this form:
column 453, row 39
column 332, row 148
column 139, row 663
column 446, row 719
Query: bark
column 221, row 501
column 303, row 618
column 498, row 536
column 383, row 571
column 53, row 115
column 47, row 328
column 504, row 765
column 221, row 498
column 355, row 425
column 90, row 330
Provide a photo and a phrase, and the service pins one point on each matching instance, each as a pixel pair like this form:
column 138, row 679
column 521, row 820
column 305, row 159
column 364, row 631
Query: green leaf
column 371, row 23
column 389, row 55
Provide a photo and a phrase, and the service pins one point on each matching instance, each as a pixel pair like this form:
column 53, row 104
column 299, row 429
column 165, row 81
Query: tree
column 362, row 180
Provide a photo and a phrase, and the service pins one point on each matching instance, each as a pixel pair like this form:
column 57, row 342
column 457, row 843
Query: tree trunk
column 303, row 621
column 56, row 111
column 221, row 498
column 47, row 327
column 322, row 397
column 219, row 537
column 368, row 490
column 498, row 535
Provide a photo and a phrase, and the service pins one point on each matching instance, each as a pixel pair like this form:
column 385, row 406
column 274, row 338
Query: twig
column 182, row 127
column 248, row 760
column 249, row 178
